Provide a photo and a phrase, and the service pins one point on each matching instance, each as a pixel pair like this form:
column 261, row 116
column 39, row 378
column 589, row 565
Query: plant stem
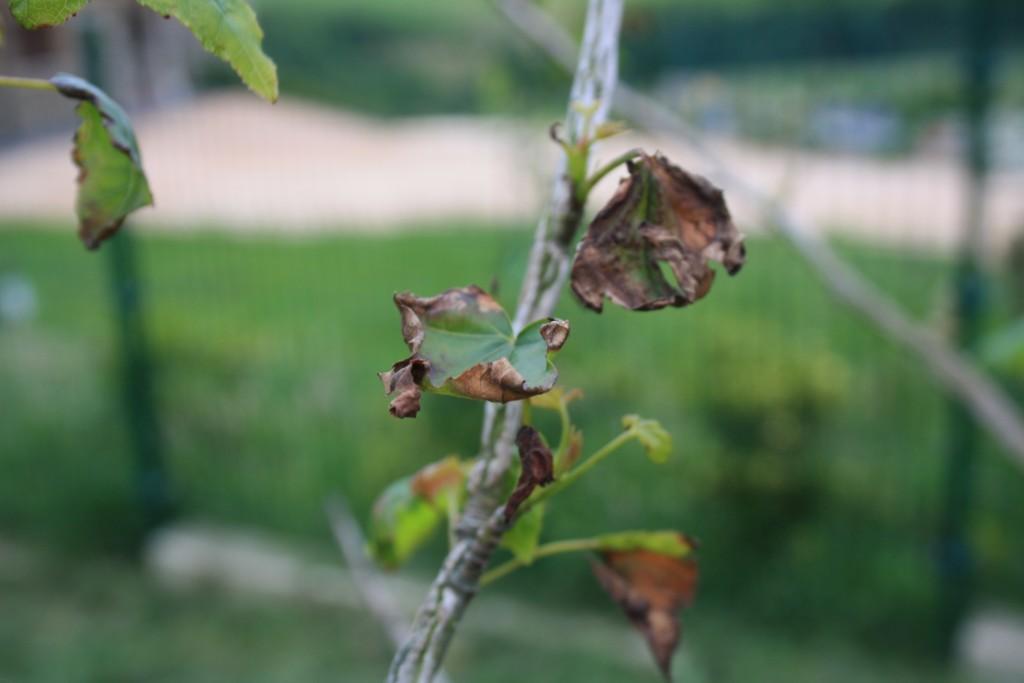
column 26, row 83
column 600, row 173
column 483, row 523
column 570, row 477
column 575, row 545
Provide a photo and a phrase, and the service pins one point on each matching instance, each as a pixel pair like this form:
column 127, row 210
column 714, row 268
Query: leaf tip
column 403, row 382
column 555, row 332
column 650, row 588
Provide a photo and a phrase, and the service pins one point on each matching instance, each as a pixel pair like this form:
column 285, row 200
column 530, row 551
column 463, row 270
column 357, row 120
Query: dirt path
column 233, row 162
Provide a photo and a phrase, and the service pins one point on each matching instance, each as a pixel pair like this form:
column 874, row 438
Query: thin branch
column 378, row 599
column 483, row 522
column 353, row 549
column 986, row 401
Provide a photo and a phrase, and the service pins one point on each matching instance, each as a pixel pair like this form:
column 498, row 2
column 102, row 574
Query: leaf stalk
column 601, row 172
column 570, row 477
column 574, row 545
column 26, row 83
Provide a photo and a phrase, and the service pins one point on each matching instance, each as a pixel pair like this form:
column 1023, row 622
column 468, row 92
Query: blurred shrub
column 401, row 60
column 833, row 67
column 767, row 406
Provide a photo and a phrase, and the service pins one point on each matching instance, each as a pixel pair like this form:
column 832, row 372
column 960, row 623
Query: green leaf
column 651, row 435
column 111, row 182
column 670, row 543
column 402, row 522
column 43, row 13
column 408, row 511
column 229, row 30
column 462, row 344
column 523, row 537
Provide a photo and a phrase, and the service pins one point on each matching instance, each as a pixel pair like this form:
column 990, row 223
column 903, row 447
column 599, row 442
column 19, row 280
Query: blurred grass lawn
column 266, row 354
column 103, row 621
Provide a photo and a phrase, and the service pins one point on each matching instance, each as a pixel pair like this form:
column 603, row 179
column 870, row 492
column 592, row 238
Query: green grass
column 808, row 455
column 104, row 621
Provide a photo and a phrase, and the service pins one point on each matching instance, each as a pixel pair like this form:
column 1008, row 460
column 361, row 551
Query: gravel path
column 233, row 162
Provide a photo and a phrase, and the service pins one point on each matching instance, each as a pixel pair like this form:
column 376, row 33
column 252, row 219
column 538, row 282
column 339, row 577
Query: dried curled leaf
column 650, row 587
column 538, row 468
column 438, row 479
column 111, row 182
column 462, row 344
column 408, row 511
column 663, row 224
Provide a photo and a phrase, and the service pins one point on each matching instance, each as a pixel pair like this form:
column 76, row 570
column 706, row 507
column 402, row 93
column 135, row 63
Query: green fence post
column 955, row 558
column 134, row 358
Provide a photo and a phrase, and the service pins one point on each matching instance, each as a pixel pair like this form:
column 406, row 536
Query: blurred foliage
column 767, row 406
column 794, row 424
column 1015, row 268
column 883, row 104
column 882, row 76
column 395, row 59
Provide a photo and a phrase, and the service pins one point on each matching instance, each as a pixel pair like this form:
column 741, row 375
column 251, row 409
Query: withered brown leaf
column 407, row 512
column 404, row 379
column 462, row 344
column 650, row 588
column 538, row 468
column 660, row 216
column 437, row 477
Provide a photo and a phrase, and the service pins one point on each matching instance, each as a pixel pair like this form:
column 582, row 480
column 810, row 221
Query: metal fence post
column 955, row 558
column 134, row 358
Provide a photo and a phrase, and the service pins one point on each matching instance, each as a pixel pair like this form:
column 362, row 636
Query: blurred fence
column 813, row 457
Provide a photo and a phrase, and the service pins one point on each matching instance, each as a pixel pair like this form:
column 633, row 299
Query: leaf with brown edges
column 111, row 182
column 650, row 587
column 462, row 344
column 409, row 511
column 649, row 247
